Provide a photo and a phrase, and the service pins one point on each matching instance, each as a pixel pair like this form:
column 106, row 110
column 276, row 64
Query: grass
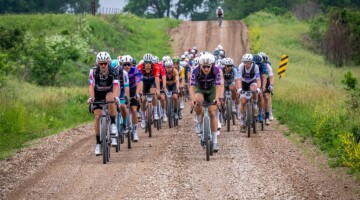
column 310, row 98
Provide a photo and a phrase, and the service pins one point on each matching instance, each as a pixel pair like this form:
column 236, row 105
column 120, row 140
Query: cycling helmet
column 183, row 57
column 183, row 63
column 165, row 58
column 262, row 54
column 247, row 57
column 219, row 7
column 192, row 51
column 155, row 59
column 265, row 59
column 103, row 57
column 126, row 59
column 134, row 61
column 119, row 58
column 176, row 59
column 148, row 57
column 186, row 53
column 207, row 59
column 169, row 63
column 227, row 61
column 257, row 58
column 114, row 63
column 196, row 61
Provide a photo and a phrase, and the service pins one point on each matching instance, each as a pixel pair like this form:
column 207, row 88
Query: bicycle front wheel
column 149, row 118
column 248, row 118
column 207, row 133
column 228, row 114
column 103, row 133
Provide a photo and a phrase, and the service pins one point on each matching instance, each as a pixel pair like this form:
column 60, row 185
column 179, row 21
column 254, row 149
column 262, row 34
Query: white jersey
column 269, row 70
column 248, row 77
column 218, row 11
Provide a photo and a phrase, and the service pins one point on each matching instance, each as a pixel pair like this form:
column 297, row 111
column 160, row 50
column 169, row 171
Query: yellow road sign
column 282, row 65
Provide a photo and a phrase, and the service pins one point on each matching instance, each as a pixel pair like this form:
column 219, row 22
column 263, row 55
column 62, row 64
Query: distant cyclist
column 219, row 12
column 103, row 85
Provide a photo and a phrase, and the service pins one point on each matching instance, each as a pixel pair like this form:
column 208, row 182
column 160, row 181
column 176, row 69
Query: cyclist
column 124, row 92
column 219, row 12
column 231, row 80
column 134, row 82
column 103, row 84
column 205, row 87
column 172, row 83
column 182, row 79
column 258, row 60
column 250, row 80
column 269, row 89
column 150, row 83
column 181, row 71
column 162, row 87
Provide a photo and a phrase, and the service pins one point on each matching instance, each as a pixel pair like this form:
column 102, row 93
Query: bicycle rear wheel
column 248, row 118
column 149, row 118
column 103, row 133
column 207, row 133
column 228, row 114
column 254, row 124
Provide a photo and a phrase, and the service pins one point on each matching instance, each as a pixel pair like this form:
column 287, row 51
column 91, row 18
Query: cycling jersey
column 148, row 79
column 103, row 82
column 181, row 71
column 249, row 75
column 269, row 69
column 230, row 77
column 220, row 12
column 123, row 79
column 205, row 82
column 134, row 76
column 171, row 76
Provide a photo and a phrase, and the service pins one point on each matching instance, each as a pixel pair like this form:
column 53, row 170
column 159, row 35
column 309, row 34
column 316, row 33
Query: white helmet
column 155, row 59
column 165, row 58
column 193, row 51
column 103, row 57
column 126, row 59
column 206, row 59
column 186, row 53
column 247, row 57
column 219, row 7
column 148, row 57
column 183, row 63
column 262, row 54
column 169, row 63
column 227, row 61
column 183, row 56
column 196, row 61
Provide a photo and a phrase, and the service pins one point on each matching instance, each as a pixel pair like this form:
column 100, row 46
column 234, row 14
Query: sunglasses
column 102, row 64
column 148, row 62
column 206, row 66
column 127, row 64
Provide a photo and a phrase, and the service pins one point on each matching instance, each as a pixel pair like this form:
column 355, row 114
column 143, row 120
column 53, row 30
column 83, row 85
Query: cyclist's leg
column 146, row 89
column 234, row 98
column 245, row 87
column 255, row 98
column 267, row 107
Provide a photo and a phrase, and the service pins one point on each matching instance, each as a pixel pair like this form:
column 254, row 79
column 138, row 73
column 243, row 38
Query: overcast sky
column 112, row 3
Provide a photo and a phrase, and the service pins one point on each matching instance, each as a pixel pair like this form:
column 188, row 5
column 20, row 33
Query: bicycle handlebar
column 204, row 105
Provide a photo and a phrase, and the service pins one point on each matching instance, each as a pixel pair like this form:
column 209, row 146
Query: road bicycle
column 149, row 116
column 105, row 136
column 227, row 114
column 206, row 135
column 170, row 109
column 250, row 119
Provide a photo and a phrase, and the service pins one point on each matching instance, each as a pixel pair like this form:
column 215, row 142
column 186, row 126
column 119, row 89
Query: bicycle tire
column 129, row 139
column 103, row 132
column 262, row 125
column 248, row 118
column 169, row 111
column 228, row 114
column 254, row 124
column 207, row 133
column 149, row 118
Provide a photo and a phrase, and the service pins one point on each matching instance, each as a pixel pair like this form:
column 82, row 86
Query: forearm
column 157, row 83
column 91, row 92
column 218, row 91
column 116, row 91
column 164, row 81
column 238, row 83
column 272, row 80
column 192, row 92
column 264, row 80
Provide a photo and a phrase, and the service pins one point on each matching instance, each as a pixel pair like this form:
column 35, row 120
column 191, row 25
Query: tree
column 45, row 6
column 149, row 8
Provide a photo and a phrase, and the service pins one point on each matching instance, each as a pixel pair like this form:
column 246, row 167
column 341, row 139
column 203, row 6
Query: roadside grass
column 310, row 99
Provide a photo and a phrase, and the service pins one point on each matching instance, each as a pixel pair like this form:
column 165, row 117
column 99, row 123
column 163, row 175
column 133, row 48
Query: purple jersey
column 205, row 82
column 134, row 76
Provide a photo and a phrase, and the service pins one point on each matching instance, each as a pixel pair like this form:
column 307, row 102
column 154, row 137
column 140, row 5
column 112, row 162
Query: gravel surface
column 172, row 165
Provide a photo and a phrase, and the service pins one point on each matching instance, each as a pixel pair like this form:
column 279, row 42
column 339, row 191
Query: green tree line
column 45, row 6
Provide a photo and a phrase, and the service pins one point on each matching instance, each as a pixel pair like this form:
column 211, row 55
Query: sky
column 112, row 3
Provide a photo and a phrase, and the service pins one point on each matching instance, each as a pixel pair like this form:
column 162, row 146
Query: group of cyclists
column 204, row 76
